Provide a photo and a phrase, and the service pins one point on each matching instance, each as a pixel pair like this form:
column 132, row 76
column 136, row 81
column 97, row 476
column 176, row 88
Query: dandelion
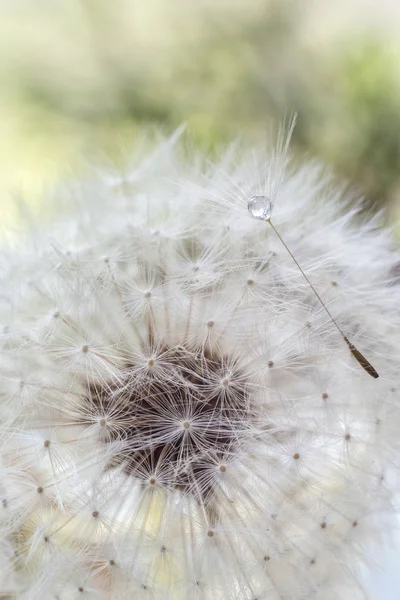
column 180, row 418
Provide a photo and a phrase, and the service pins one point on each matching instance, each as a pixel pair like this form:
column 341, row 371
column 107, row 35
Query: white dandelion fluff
column 180, row 418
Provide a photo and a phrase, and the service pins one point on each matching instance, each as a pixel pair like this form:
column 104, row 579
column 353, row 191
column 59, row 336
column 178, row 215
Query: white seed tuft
column 179, row 416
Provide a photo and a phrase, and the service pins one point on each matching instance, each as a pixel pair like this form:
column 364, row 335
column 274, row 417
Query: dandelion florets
column 179, row 416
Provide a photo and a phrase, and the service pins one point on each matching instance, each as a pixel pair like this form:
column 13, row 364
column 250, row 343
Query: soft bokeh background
column 88, row 78
column 79, row 77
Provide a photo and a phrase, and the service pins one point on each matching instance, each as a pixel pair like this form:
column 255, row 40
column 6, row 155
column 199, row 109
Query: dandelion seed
column 260, row 207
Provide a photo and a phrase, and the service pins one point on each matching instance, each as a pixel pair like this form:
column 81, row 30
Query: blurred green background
column 86, row 78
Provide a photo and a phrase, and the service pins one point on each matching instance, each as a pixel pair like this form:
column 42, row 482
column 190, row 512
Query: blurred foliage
column 84, row 77
column 357, row 128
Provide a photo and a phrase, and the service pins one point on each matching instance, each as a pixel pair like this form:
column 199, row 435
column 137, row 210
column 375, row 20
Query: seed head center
column 144, row 412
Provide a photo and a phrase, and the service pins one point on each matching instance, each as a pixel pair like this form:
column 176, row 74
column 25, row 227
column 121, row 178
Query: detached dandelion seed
column 190, row 425
column 260, row 207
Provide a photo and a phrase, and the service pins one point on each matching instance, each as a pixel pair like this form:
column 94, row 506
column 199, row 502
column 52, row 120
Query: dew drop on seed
column 260, row 207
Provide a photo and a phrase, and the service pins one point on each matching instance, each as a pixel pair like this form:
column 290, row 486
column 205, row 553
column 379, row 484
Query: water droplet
column 260, row 207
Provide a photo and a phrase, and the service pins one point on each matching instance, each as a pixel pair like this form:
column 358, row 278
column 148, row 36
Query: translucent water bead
column 260, row 207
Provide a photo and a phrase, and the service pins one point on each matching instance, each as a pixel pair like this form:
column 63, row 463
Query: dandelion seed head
column 179, row 416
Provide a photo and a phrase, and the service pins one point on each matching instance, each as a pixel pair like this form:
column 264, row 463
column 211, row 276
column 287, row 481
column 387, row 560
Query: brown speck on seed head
column 323, row 525
column 325, row 396
column 354, row 524
column 46, row 443
column 210, row 324
column 186, row 425
column 312, row 561
column 102, row 422
column 80, row 589
column 151, row 362
column 296, row 456
column 266, row 558
column 46, row 538
column 85, row 348
column 347, row 437
column 111, row 562
column 152, row 481
column 250, row 282
column 147, row 294
column 163, row 549
column 334, row 283
column 95, row 514
column 39, row 490
column 270, row 363
column 222, row 468
column 210, row 533
column 308, row 324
